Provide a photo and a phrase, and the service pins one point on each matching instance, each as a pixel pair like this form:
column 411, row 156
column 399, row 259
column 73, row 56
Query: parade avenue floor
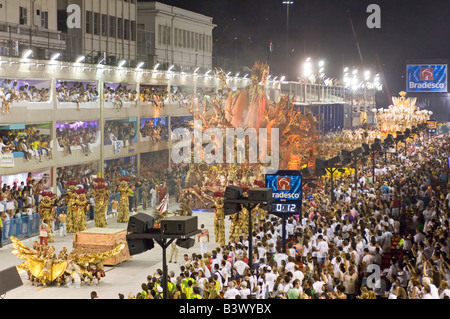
column 123, row 278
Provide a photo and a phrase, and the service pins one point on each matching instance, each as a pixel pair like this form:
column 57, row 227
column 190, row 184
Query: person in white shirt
column 290, row 265
column 270, row 278
column 298, row 274
column 240, row 266
column 319, row 282
column 153, row 197
column 231, row 292
column 428, row 282
column 321, row 249
column 262, row 252
column 427, row 293
column 289, row 228
column 244, row 291
column 366, row 260
column 279, row 256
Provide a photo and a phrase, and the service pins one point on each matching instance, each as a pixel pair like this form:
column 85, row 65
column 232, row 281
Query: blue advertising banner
column 287, row 191
column 426, row 78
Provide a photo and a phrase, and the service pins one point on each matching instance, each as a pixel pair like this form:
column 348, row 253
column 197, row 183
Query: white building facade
column 182, row 38
column 26, row 24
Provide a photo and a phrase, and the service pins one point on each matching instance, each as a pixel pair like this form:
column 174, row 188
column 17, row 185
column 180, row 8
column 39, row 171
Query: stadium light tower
column 307, row 68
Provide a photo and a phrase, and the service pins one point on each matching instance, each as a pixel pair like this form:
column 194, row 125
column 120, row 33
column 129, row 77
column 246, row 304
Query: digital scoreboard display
column 432, row 127
column 286, row 191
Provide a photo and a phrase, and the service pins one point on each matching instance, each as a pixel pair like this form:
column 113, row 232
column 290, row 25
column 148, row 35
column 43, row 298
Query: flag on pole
column 164, row 205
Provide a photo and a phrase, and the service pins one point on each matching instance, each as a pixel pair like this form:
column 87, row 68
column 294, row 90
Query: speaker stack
column 179, row 225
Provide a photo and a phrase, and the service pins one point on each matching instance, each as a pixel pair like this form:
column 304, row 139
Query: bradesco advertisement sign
column 287, row 191
column 426, row 78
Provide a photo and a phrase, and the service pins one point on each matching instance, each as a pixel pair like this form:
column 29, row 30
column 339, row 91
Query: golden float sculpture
column 401, row 115
column 45, row 267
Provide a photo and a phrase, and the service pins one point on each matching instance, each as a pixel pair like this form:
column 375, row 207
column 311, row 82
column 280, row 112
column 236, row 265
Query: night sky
column 321, row 29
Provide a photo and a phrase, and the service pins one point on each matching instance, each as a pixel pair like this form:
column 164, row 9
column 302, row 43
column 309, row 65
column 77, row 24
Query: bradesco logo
column 286, row 195
column 427, row 78
column 429, row 85
column 426, row 74
column 283, row 183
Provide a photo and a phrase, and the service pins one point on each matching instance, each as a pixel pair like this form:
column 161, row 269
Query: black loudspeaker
column 321, row 163
column 357, row 151
column 333, row 162
column 138, row 246
column 260, row 194
column 9, row 280
column 307, row 171
column 185, row 243
column 140, row 223
column 179, row 225
column 365, row 148
column 376, row 146
column 233, row 192
column 231, row 208
column 321, row 172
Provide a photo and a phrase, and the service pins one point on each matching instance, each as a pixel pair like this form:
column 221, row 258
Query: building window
column 23, row 19
column 126, row 29
column 164, row 34
column 175, row 37
column 120, row 28
column 133, row 30
column 96, row 23
column 44, row 19
column 168, row 35
column 188, row 40
column 104, row 25
column 89, row 22
column 112, row 26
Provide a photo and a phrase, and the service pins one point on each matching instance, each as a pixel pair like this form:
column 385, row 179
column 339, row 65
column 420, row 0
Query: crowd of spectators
column 23, row 91
column 120, row 95
column 156, row 95
column 30, row 141
column 181, row 122
column 25, row 197
column 76, row 92
column 82, row 136
column 17, row 91
column 119, row 131
column 399, row 223
column 155, row 130
column 181, row 95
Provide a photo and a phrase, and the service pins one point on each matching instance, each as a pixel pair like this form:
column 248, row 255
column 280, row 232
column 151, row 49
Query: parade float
column 44, row 267
column 248, row 109
column 401, row 115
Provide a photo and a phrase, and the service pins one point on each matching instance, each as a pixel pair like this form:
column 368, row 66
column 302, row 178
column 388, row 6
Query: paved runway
column 123, row 278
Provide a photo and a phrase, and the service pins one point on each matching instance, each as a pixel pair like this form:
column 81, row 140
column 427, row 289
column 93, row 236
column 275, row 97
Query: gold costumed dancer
column 236, row 224
column 219, row 218
column 123, row 214
column 260, row 214
column 47, row 213
column 80, row 213
column 101, row 202
column 71, row 200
